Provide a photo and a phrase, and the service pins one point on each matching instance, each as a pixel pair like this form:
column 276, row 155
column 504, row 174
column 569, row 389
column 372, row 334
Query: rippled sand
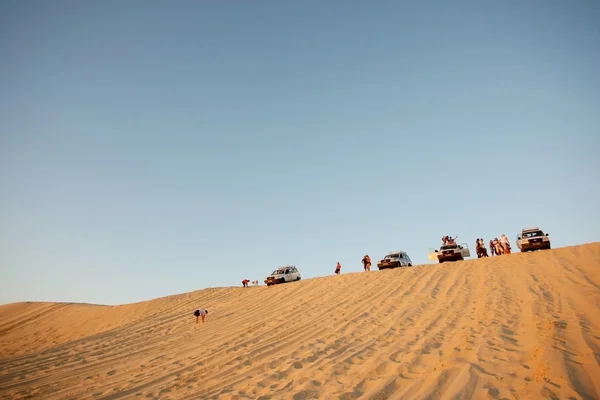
column 518, row 326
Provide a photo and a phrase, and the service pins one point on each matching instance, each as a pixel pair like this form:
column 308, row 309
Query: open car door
column 465, row 250
column 433, row 254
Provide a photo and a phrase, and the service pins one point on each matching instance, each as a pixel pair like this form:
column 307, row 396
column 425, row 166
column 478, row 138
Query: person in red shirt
column 245, row 282
column 338, row 268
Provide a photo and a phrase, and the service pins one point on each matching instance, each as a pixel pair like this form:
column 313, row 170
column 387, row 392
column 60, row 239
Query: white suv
column 450, row 252
column 395, row 259
column 288, row 273
column 532, row 239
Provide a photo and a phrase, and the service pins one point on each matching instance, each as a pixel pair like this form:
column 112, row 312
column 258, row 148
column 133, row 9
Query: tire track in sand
column 517, row 326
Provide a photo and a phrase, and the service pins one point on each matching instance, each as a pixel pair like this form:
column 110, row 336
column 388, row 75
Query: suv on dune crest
column 450, row 252
column 532, row 239
column 395, row 259
column 285, row 274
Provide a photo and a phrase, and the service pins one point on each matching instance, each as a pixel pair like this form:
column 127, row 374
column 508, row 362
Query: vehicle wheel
column 409, row 264
column 298, row 278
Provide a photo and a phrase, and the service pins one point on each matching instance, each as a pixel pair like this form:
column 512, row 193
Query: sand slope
column 519, row 326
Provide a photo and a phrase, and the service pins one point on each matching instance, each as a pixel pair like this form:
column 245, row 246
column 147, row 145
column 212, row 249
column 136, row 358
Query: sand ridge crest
column 516, row 326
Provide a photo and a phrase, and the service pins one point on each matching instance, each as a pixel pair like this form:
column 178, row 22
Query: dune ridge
column 515, row 326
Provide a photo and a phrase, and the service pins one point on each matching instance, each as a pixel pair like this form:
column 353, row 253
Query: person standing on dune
column 505, row 243
column 338, row 268
column 492, row 248
column 367, row 262
column 200, row 313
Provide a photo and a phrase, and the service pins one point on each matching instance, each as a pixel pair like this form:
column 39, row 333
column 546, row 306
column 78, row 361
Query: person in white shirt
column 504, row 242
column 200, row 313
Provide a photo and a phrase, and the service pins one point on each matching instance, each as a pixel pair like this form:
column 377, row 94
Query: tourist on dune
column 505, row 244
column 492, row 248
column 449, row 240
column 338, row 268
column 200, row 313
column 480, row 248
column 245, row 282
column 367, row 262
column 498, row 247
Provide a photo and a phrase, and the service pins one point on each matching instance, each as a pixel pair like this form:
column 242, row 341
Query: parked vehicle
column 395, row 259
column 532, row 239
column 450, row 252
column 288, row 273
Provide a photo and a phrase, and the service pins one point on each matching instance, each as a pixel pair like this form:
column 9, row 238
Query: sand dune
column 519, row 326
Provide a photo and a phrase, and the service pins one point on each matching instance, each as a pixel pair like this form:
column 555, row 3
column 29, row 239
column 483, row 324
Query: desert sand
column 523, row 326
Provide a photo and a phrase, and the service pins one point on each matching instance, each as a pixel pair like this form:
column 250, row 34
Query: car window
column 533, row 234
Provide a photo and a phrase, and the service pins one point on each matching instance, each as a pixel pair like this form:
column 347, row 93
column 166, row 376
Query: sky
column 149, row 148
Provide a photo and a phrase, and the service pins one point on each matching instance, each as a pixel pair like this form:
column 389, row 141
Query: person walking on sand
column 200, row 313
column 367, row 262
column 338, row 268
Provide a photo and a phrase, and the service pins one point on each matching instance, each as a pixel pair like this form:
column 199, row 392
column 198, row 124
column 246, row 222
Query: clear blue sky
column 150, row 148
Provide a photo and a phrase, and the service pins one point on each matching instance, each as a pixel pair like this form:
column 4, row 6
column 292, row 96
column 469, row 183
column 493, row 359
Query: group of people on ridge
column 497, row 247
column 446, row 240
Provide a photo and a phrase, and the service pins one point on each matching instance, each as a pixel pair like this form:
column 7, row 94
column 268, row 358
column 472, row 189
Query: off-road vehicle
column 288, row 273
column 532, row 239
column 395, row 259
column 450, row 252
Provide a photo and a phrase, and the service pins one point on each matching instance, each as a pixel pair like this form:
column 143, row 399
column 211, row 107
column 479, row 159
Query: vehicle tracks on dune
column 515, row 326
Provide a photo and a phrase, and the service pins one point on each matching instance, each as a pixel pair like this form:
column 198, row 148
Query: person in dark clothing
column 367, row 262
